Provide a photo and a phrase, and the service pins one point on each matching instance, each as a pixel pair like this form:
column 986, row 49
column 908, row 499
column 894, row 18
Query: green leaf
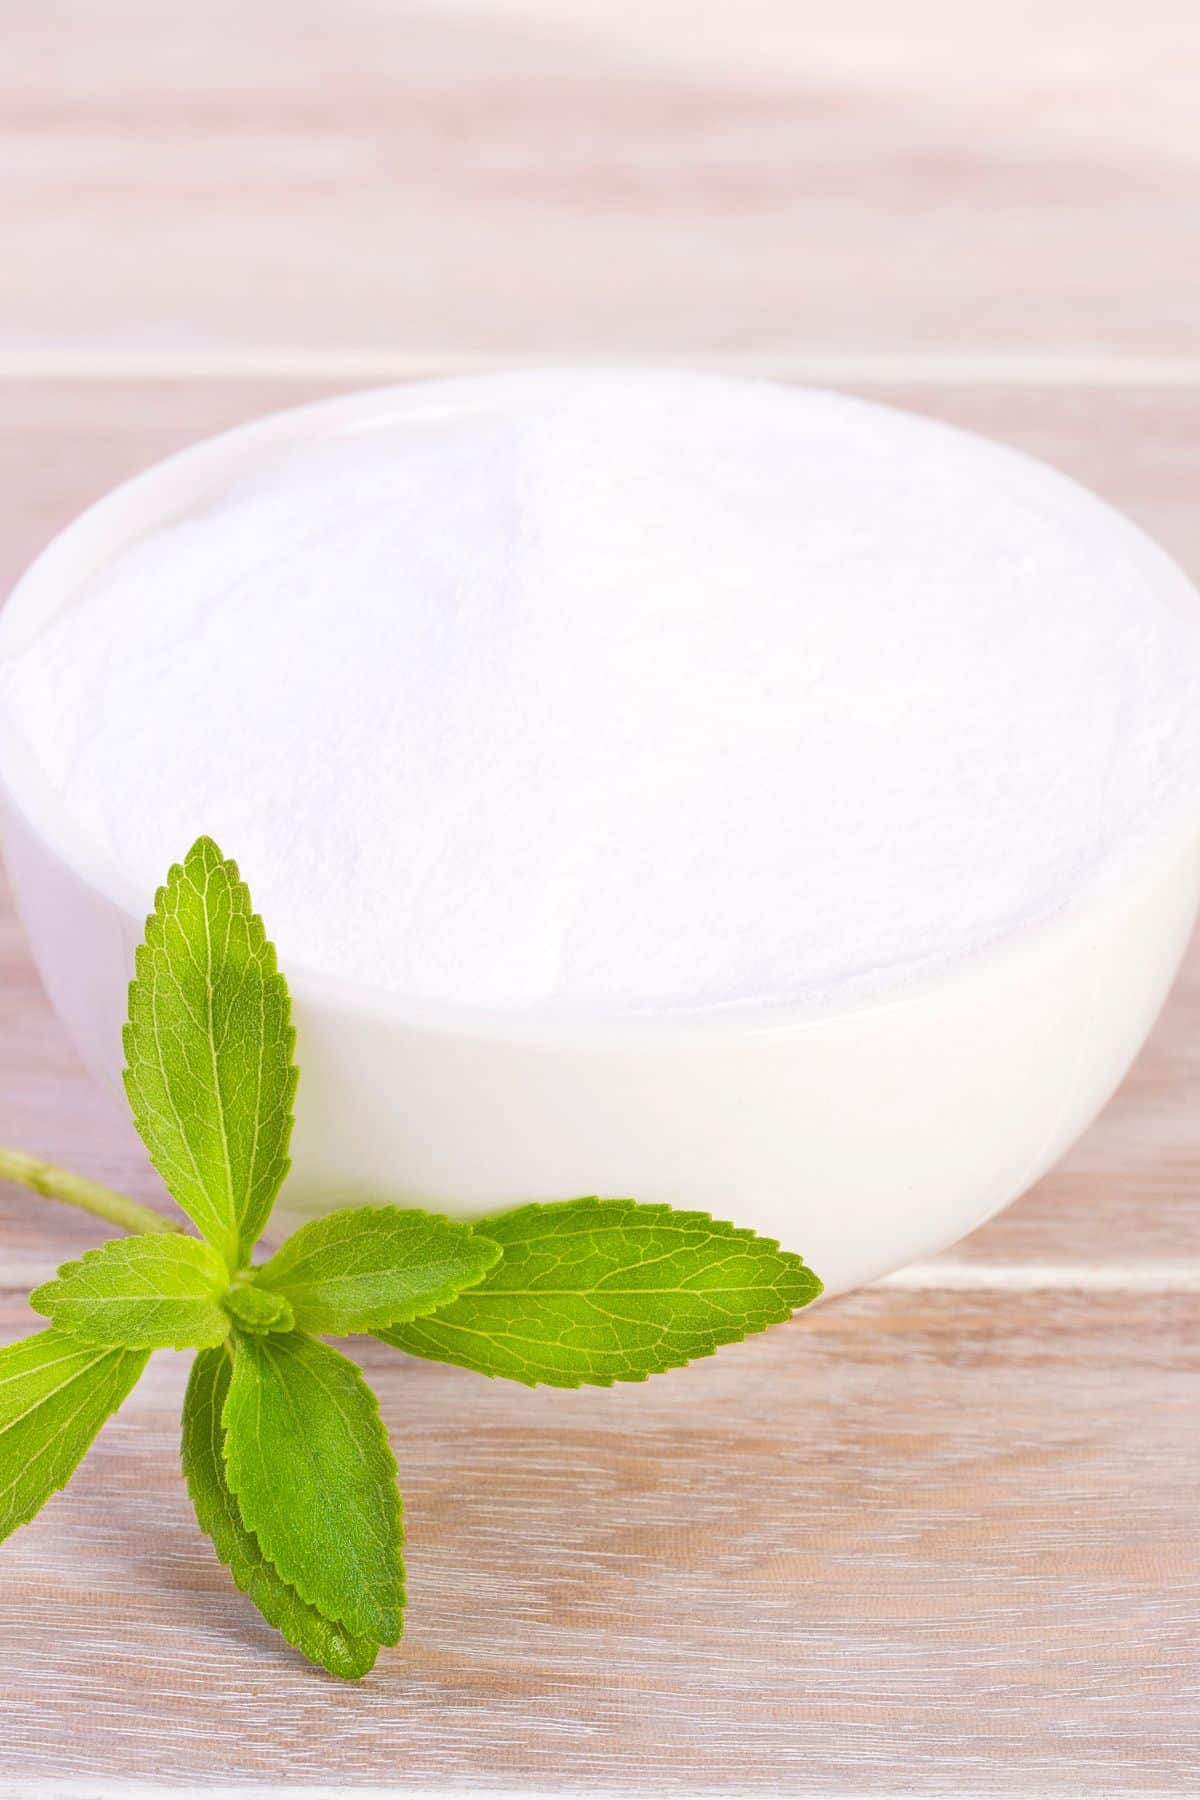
column 209, row 1051
column 203, row 1449
column 375, row 1265
column 315, row 1479
column 145, row 1293
column 609, row 1290
column 258, row 1312
column 55, row 1394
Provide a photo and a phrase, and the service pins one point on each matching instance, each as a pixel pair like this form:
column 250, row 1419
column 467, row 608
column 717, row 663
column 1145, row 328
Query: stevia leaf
column 314, row 1477
column 597, row 1291
column 55, row 1394
column 371, row 1266
column 145, row 1293
column 322, row 1640
column 257, row 1311
column 208, row 1045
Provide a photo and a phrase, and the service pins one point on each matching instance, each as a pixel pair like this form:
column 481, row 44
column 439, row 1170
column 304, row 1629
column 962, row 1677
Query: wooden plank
column 932, row 1543
column 1129, row 1192
column 912, row 1544
column 513, row 176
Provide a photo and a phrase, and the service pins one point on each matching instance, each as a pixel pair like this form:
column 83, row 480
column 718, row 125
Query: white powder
column 628, row 692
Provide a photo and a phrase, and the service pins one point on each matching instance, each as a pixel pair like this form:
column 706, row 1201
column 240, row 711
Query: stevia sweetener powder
column 615, row 692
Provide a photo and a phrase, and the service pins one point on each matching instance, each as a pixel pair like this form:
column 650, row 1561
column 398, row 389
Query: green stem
column 60, row 1184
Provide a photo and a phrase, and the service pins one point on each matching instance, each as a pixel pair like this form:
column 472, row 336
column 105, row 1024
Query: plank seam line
column 75, row 1789
column 1181, row 1277
column 1046, row 367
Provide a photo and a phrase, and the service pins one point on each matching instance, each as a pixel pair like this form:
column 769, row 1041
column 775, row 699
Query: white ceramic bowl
column 861, row 1137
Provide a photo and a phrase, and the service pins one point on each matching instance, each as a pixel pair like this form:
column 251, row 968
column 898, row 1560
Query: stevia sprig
column 286, row 1460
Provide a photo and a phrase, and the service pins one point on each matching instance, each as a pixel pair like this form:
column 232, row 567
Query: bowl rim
column 178, row 482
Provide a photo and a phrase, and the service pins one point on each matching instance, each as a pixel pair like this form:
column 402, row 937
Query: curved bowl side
column 861, row 1139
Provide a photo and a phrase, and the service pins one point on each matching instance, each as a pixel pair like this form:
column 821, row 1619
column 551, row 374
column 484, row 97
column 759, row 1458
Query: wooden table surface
column 941, row 1537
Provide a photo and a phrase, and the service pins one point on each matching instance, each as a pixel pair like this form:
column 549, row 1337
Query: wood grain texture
column 935, row 1542
column 906, row 1545
column 507, row 175
column 932, row 1541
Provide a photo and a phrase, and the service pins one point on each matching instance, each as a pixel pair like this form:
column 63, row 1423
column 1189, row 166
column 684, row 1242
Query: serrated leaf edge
column 401, row 1594
column 792, row 1258
column 238, row 1250
column 774, row 1316
column 627, row 1204
column 247, row 1578
column 103, row 1351
column 42, row 1293
column 597, row 1381
column 429, row 1303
